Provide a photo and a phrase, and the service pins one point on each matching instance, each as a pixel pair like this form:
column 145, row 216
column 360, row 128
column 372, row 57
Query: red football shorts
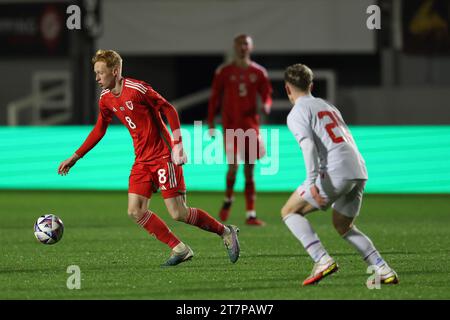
column 148, row 178
column 249, row 148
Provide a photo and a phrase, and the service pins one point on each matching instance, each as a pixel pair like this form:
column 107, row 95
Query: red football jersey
column 139, row 108
column 236, row 89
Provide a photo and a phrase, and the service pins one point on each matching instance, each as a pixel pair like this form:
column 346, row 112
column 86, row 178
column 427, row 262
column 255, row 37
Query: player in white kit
column 336, row 176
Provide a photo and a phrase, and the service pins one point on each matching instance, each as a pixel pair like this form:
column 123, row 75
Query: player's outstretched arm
column 155, row 100
column 316, row 195
column 65, row 166
column 178, row 155
column 265, row 90
column 93, row 138
column 311, row 157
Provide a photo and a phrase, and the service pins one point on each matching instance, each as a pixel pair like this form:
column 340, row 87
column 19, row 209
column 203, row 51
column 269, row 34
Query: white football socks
column 226, row 231
column 251, row 214
column 181, row 247
column 302, row 230
column 364, row 246
column 228, row 200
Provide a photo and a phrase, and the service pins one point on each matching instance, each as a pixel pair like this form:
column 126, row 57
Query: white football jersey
column 320, row 122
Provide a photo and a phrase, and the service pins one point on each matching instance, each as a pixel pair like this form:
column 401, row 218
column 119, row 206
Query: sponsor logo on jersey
column 163, row 188
column 122, row 109
column 114, row 109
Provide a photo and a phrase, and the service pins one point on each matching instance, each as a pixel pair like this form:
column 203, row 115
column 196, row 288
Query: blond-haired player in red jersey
column 235, row 89
column 158, row 157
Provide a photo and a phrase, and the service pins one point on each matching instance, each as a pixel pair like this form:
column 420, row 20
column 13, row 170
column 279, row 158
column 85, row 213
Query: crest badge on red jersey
column 129, row 105
column 253, row 77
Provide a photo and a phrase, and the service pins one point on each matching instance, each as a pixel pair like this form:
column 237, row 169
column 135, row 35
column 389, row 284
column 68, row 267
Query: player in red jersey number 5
column 235, row 91
column 158, row 157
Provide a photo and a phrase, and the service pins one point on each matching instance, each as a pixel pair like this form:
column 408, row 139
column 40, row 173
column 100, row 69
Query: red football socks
column 201, row 219
column 157, row 227
column 231, row 178
column 250, row 195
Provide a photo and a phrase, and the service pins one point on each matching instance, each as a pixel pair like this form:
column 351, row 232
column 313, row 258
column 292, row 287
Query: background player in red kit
column 158, row 158
column 235, row 88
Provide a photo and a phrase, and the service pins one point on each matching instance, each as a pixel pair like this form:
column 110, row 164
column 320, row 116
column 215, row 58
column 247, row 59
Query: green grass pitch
column 119, row 260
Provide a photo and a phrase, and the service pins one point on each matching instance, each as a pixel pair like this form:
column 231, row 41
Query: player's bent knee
column 136, row 213
column 285, row 211
column 341, row 226
column 232, row 169
column 341, row 229
column 301, row 209
column 179, row 214
column 248, row 173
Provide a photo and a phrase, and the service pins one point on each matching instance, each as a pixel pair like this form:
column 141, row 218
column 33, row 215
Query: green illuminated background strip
column 400, row 159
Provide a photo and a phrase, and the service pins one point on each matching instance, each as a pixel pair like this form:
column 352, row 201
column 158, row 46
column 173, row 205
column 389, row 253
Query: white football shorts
column 345, row 196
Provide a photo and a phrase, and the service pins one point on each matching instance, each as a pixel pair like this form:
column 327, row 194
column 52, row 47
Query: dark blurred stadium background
column 395, row 78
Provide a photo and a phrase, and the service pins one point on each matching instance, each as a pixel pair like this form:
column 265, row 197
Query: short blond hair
column 241, row 35
column 299, row 75
column 110, row 57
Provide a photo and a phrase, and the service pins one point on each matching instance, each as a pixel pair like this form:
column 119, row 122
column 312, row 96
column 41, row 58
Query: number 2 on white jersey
column 330, row 126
